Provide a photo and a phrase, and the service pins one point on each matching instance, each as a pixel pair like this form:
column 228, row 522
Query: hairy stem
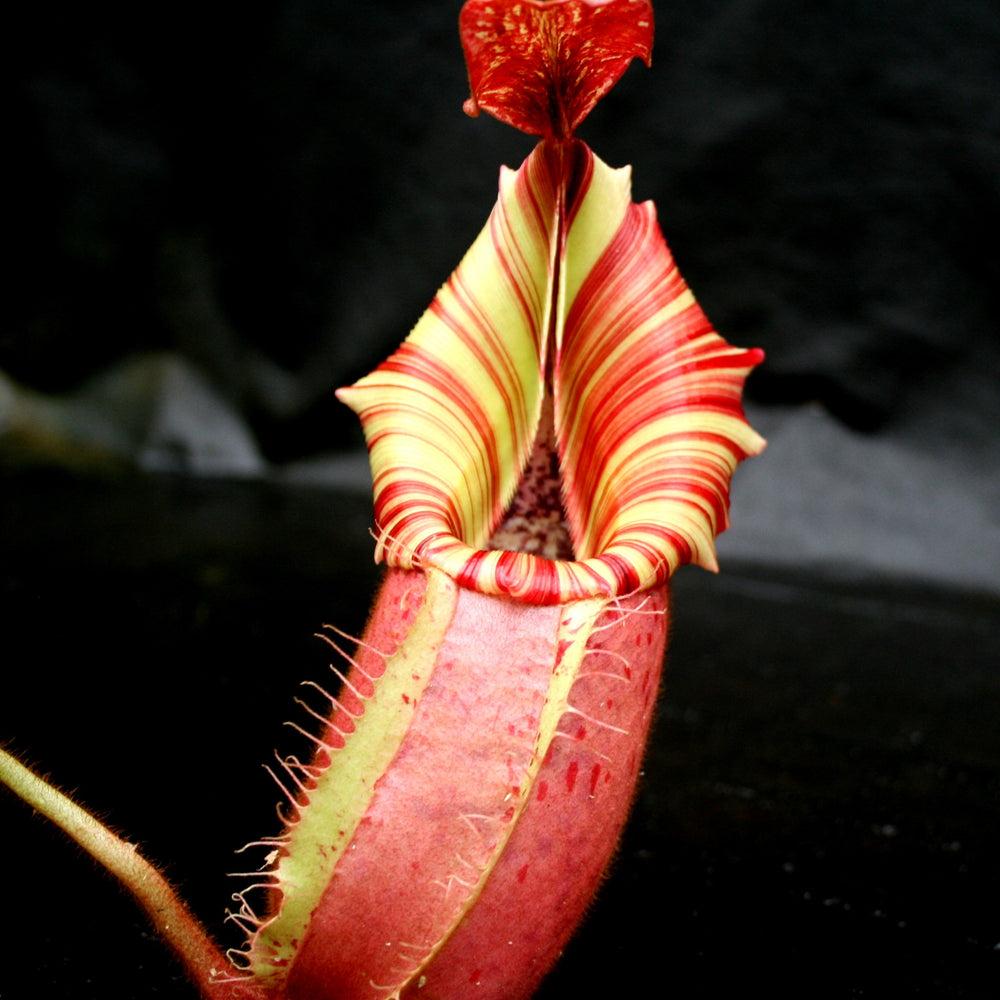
column 178, row 926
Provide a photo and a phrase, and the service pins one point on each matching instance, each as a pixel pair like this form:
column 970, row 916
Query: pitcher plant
column 553, row 439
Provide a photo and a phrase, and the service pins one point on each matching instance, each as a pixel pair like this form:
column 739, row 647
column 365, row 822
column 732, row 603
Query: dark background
column 298, row 181
column 273, row 197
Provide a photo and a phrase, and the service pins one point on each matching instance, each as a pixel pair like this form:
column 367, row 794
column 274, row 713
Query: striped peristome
column 571, row 286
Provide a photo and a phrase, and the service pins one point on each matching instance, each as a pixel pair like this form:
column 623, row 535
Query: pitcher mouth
column 569, row 294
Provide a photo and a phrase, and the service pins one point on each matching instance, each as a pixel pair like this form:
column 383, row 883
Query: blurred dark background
column 271, row 199
column 298, row 181
column 218, row 215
